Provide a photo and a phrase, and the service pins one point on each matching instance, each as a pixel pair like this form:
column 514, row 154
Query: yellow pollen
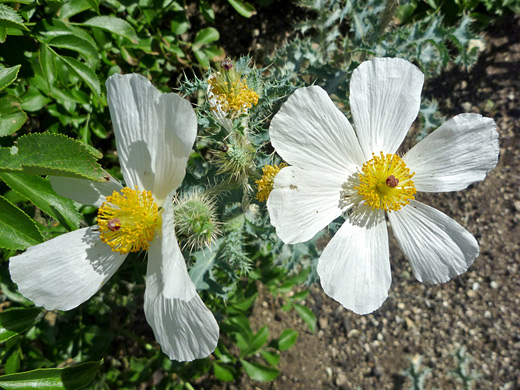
column 233, row 96
column 127, row 220
column 386, row 183
column 265, row 184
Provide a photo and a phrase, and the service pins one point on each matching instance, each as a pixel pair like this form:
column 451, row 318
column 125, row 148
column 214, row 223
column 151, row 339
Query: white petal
column 438, row 247
column 182, row 324
column 355, row 267
column 165, row 254
column 458, row 153
column 64, row 272
column 385, row 97
column 303, row 202
column 84, row 191
column 311, row 133
column 154, row 133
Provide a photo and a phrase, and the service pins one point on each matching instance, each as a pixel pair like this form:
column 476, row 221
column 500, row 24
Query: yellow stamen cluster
column 385, row 183
column 265, row 184
column 233, row 95
column 127, row 220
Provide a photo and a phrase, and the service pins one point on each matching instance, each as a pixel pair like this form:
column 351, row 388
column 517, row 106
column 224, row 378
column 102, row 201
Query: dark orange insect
column 392, row 181
column 114, row 225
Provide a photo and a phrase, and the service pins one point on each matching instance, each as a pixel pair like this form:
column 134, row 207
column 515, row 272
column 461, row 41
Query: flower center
column 386, row 183
column 265, row 184
column 232, row 93
column 127, row 220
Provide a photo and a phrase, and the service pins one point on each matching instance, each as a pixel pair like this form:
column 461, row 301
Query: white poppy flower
column 154, row 136
column 335, row 170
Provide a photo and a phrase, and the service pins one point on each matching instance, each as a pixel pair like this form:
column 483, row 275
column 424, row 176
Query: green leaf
column 74, row 7
column 9, row 18
column 206, row 11
column 84, row 72
column 244, row 304
column 259, row 372
column 17, row 230
column 307, row 315
column 95, row 5
column 257, row 342
column 13, row 362
column 69, row 378
column 114, row 25
column 15, row 321
column 8, row 75
column 180, row 24
column 202, row 58
column 3, row 34
column 287, row 339
column 243, row 8
column 213, row 51
column 12, row 117
column 224, row 372
column 81, row 46
column 273, row 358
column 48, row 63
column 205, row 36
column 52, row 154
column 39, row 191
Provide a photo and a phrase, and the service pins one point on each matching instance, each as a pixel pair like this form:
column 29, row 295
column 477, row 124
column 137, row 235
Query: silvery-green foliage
column 417, row 373
column 341, row 34
column 462, row 372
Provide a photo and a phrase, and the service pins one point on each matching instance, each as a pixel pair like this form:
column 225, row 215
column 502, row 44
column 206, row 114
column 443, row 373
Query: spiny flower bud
column 236, row 158
column 196, row 223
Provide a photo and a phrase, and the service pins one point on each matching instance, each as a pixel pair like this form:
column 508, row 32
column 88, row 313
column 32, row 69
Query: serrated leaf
column 84, row 72
column 17, row 230
column 257, row 342
column 39, row 191
column 48, row 63
column 224, row 372
column 259, row 372
column 79, row 45
column 69, row 378
column 307, row 315
column 206, row 36
column 9, row 18
column 74, row 7
column 15, row 321
column 114, row 25
column 8, row 75
column 49, row 29
column 243, row 8
column 3, row 34
column 52, row 154
column 12, row 117
column 287, row 339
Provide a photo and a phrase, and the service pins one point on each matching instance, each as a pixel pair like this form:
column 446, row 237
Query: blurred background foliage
column 54, row 59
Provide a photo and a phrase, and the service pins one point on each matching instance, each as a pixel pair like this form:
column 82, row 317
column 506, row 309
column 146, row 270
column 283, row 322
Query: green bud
column 196, row 223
